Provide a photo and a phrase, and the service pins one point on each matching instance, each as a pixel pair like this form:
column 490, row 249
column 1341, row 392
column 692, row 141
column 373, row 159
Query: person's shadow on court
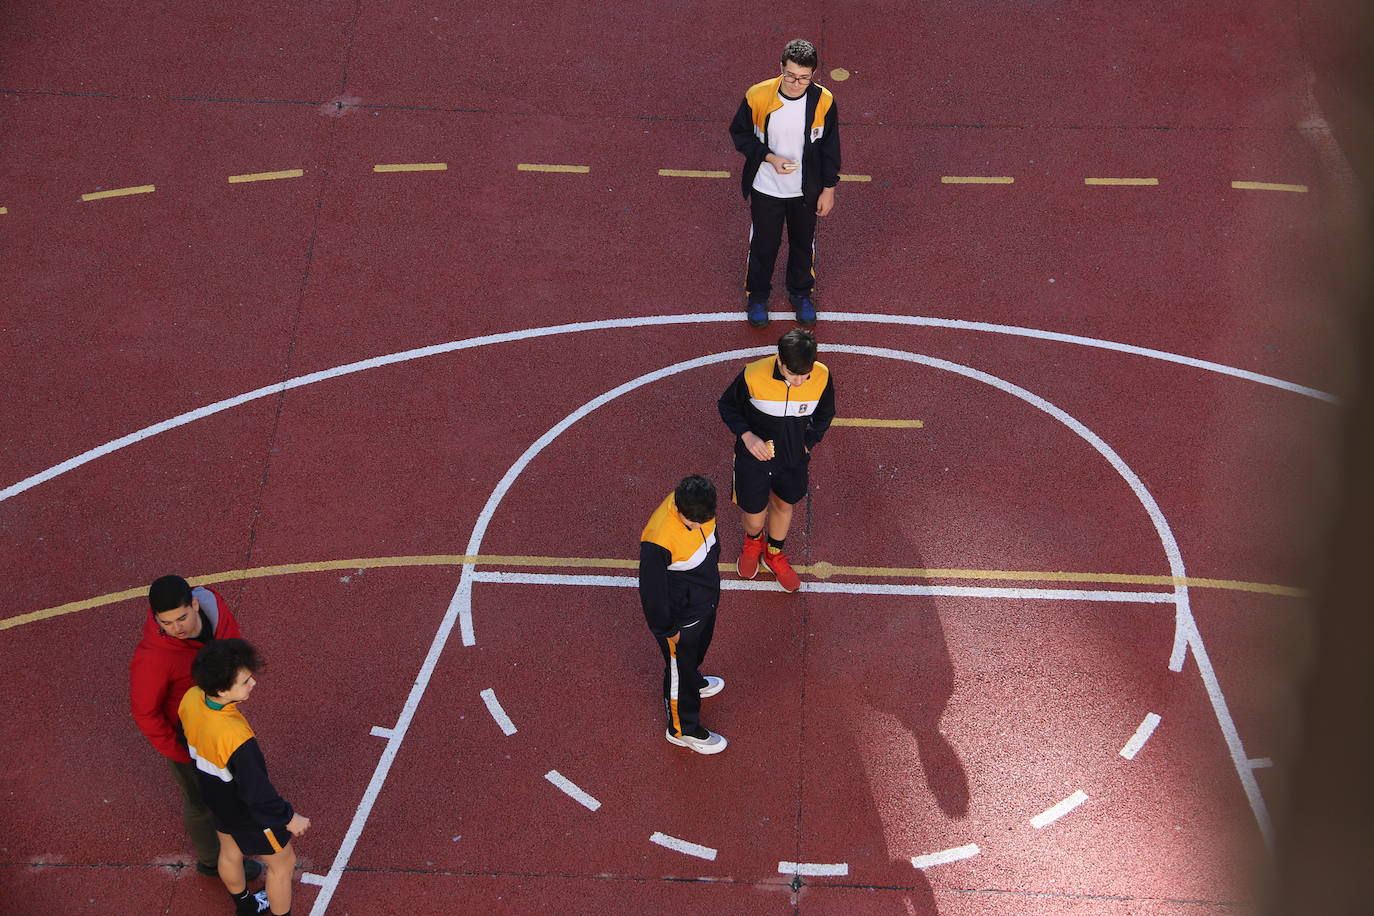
column 911, row 678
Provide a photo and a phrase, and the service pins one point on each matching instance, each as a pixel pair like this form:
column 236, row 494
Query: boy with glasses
column 788, row 129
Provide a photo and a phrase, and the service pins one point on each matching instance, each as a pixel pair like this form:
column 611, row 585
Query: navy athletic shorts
column 262, row 842
column 755, row 479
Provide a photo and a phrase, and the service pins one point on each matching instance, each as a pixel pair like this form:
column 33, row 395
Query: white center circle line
column 460, row 606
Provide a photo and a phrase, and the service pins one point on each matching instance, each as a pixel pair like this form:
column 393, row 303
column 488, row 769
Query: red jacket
column 160, row 673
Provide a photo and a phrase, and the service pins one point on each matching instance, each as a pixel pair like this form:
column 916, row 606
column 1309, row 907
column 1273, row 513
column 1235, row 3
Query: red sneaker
column 748, row 564
column 787, row 577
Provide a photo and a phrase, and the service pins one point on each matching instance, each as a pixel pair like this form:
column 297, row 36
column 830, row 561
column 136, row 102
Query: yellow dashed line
column 1268, row 186
column 856, row 177
column 975, row 179
column 536, row 167
column 886, row 424
column 691, row 173
column 412, row 167
column 120, row 192
column 4, row 210
column 1129, row 182
column 266, row 176
column 821, row 570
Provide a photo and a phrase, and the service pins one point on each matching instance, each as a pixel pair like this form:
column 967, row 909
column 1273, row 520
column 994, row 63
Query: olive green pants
column 200, row 825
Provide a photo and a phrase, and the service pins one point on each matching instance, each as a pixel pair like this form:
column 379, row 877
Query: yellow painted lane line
column 1268, row 186
column 411, row 167
column 120, row 192
column 72, row 607
column 885, row 424
column 691, row 173
column 537, row 167
column 975, row 179
column 844, row 177
column 266, row 176
column 3, row 211
column 1122, row 182
column 824, row 570
column 821, row 570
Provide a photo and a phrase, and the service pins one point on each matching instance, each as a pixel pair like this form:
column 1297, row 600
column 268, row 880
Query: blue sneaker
column 756, row 313
column 806, row 310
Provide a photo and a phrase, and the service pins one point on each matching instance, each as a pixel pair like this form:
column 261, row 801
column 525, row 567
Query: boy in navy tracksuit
column 679, row 589
column 788, row 129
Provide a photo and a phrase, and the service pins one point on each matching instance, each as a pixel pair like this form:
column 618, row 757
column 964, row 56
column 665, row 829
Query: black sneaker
column 756, row 313
column 805, row 308
column 252, row 904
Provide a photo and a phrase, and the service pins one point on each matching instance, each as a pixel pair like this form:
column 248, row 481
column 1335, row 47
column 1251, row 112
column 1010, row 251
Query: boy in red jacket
column 181, row 620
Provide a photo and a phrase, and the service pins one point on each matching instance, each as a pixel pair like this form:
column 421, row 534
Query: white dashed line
column 684, row 847
column 497, row 713
column 946, row 856
column 311, row 878
column 379, row 732
column 839, row 869
column 1260, row 763
column 1051, row 815
column 1142, row 734
column 573, row 792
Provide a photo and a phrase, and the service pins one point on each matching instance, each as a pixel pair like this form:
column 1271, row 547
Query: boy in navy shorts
column 250, row 817
column 779, row 408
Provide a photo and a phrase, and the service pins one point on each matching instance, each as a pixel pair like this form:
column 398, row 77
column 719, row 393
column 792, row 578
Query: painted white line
column 843, row 588
column 946, row 856
column 684, row 847
column 497, row 713
column 837, row 870
column 310, row 878
column 573, row 792
column 1260, row 763
column 1050, row 815
column 1142, row 734
column 460, row 606
column 379, row 732
column 454, row 346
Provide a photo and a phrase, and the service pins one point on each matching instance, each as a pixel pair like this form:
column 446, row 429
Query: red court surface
column 1047, row 649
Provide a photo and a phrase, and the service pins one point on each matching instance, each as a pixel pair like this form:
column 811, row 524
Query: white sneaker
column 714, row 685
column 711, row 744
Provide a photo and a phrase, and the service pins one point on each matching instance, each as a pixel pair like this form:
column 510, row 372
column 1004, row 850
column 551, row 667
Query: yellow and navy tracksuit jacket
column 760, row 401
column 821, row 153
column 233, row 773
column 679, row 570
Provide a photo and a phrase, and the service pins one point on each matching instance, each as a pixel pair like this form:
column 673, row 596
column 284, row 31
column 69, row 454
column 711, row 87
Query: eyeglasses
column 795, row 80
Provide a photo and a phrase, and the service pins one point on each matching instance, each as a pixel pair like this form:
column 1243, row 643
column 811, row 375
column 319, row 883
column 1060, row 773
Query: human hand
column 297, row 825
column 756, row 446
column 826, row 202
column 780, row 165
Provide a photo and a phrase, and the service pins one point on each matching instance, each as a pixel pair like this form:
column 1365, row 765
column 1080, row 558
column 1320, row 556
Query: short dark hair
column 217, row 666
column 797, row 350
column 169, row 593
column 800, row 52
column 695, row 497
